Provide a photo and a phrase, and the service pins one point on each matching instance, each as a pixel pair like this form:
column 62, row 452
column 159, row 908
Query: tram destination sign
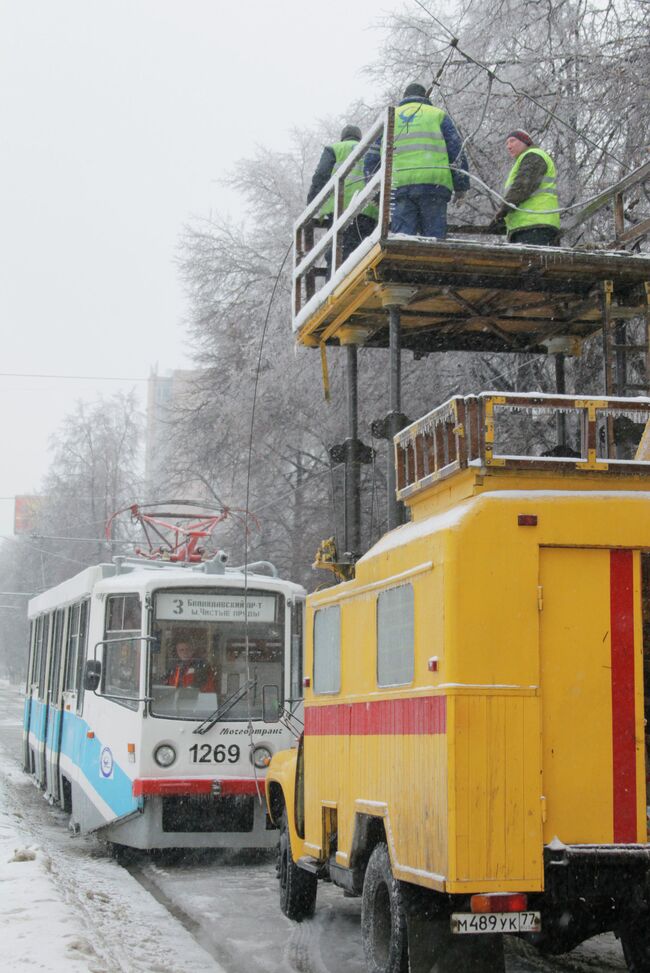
column 198, row 607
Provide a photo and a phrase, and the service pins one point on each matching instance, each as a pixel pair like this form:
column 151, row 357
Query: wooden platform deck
column 473, row 296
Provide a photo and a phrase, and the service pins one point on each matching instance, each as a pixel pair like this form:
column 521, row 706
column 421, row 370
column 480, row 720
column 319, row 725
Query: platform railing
column 309, row 250
column 477, row 431
column 315, row 236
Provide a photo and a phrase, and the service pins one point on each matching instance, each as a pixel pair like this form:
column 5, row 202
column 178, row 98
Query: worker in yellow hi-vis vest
column 531, row 209
column 331, row 158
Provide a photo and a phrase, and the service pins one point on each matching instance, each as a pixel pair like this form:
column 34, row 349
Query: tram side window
column 395, row 636
column 42, row 654
column 55, row 658
column 121, row 669
column 327, row 650
column 81, row 651
column 75, row 625
column 32, row 647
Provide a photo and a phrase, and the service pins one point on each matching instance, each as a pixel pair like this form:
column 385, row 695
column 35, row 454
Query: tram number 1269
column 206, row 754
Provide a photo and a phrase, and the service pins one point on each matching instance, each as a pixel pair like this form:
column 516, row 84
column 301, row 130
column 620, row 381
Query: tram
column 475, row 750
column 157, row 693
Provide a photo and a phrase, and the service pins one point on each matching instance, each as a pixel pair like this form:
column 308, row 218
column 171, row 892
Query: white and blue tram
column 119, row 735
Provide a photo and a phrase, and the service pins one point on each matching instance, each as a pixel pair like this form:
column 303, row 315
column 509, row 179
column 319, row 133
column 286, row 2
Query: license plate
column 469, row 923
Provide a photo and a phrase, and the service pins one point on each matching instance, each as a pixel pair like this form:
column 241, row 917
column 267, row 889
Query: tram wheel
column 297, row 887
column 635, row 939
column 383, row 920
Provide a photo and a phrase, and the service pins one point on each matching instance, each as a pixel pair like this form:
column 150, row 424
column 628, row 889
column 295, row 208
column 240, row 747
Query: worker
column 190, row 669
column 530, row 209
column 332, row 157
column 429, row 164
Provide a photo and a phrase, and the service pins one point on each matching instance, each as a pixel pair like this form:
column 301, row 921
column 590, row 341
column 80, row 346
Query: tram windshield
column 214, row 648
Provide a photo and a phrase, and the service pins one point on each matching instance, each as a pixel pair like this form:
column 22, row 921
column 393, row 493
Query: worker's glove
column 497, row 223
column 459, row 197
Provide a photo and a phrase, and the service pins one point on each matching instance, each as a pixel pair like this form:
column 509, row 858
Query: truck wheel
column 635, row 939
column 383, row 922
column 297, row 887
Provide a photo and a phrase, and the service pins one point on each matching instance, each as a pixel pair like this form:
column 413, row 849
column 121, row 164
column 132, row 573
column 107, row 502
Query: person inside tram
column 190, row 669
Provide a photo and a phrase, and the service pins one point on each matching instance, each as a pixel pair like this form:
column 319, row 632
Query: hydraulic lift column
column 393, row 297
column 352, row 453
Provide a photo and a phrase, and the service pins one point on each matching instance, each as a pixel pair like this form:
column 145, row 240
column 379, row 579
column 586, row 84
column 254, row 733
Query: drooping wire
column 258, row 368
column 454, row 43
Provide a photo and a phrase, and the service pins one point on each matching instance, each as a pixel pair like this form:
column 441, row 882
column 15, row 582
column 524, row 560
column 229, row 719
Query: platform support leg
column 352, row 459
column 394, row 419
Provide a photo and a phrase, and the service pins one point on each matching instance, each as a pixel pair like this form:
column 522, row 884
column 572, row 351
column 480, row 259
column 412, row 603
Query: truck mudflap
column 433, row 948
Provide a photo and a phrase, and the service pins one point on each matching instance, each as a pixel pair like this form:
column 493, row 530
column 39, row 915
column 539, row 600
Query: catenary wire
column 472, row 60
column 258, row 369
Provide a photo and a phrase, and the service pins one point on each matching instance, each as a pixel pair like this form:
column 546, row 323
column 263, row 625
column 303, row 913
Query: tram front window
column 215, row 649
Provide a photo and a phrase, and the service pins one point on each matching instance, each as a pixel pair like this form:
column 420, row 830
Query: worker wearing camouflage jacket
column 428, row 165
column 530, row 211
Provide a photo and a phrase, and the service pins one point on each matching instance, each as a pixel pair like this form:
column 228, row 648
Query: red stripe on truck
column 420, row 716
column 623, row 701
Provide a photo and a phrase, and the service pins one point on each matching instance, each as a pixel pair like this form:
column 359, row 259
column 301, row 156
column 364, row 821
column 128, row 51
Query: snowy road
column 212, row 914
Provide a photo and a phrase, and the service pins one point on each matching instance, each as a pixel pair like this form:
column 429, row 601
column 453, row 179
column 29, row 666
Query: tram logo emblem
column 106, row 763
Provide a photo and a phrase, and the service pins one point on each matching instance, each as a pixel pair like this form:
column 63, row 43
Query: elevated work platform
column 463, row 293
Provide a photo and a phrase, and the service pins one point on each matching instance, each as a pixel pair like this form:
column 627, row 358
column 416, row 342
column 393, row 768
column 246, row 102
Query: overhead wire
column 258, row 369
column 454, row 43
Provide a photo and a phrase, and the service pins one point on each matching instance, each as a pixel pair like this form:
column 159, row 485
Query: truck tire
column 635, row 939
column 383, row 921
column 297, row 887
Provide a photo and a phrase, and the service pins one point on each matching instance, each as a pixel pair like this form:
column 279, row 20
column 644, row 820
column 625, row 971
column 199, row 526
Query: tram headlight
column 261, row 756
column 164, row 755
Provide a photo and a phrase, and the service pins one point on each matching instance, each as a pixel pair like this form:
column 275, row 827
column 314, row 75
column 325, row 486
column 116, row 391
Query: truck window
column 395, row 639
column 327, row 650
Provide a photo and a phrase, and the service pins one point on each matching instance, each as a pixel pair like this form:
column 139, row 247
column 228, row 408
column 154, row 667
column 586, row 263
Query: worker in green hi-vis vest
column 331, row 158
column 530, row 210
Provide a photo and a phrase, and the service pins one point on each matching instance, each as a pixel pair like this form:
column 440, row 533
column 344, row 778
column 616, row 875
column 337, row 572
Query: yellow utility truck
column 473, row 760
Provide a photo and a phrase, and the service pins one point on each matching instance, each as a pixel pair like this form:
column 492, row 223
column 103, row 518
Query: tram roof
column 147, row 575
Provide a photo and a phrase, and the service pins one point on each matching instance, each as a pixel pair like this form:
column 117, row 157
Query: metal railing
column 316, row 236
column 465, row 431
column 308, row 250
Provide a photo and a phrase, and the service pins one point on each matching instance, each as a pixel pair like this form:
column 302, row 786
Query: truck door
column 591, row 677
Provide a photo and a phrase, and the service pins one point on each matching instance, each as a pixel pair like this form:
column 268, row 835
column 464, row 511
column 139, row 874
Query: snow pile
column 39, row 929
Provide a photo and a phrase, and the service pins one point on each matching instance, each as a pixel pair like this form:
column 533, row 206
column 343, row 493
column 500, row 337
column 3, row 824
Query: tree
column 94, row 472
column 570, row 72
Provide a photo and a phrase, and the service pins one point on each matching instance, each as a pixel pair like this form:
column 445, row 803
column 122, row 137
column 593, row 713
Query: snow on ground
column 66, row 907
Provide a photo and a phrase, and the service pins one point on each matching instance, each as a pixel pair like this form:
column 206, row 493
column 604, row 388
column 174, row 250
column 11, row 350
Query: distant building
column 168, row 396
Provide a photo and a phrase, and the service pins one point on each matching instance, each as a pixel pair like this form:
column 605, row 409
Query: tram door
column 54, row 700
column 38, row 710
column 591, row 674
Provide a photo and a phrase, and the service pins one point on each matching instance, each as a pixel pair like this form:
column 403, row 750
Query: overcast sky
column 118, row 118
